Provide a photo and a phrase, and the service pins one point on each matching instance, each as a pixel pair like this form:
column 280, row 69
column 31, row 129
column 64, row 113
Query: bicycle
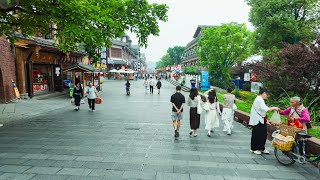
column 297, row 153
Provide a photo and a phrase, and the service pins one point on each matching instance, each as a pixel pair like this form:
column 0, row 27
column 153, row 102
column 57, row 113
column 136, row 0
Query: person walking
column 159, row 84
column 227, row 112
column 77, row 95
column 212, row 111
column 177, row 100
column 193, row 101
column 258, row 122
column 151, row 83
column 92, row 95
column 145, row 84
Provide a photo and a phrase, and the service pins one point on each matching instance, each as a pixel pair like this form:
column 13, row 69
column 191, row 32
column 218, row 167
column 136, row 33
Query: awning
column 117, row 62
column 113, row 71
column 80, row 66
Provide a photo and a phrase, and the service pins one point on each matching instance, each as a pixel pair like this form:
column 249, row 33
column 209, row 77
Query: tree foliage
column 176, row 54
column 88, row 22
column 298, row 73
column 222, row 47
column 164, row 61
column 173, row 56
column 289, row 21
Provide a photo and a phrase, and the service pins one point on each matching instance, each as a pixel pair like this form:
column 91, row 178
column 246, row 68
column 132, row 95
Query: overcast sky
column 184, row 18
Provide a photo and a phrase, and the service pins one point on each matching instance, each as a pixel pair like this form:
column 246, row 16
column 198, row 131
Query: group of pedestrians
column 150, row 84
column 91, row 93
column 206, row 104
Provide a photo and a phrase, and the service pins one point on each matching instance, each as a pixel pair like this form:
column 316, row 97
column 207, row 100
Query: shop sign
column 246, row 77
column 255, row 87
column 205, row 80
column 58, row 71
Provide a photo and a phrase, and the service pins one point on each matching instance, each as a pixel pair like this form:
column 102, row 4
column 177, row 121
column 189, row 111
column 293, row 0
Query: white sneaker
column 195, row 135
column 257, row 152
column 1, row 125
column 229, row 132
column 93, row 110
column 265, row 151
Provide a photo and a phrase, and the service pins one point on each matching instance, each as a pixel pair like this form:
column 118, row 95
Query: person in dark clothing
column 127, row 87
column 178, row 101
column 77, row 95
column 159, row 86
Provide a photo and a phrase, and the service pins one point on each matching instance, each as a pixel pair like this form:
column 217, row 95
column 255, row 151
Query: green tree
column 289, row 21
column 222, row 47
column 93, row 23
column 176, row 54
column 164, row 62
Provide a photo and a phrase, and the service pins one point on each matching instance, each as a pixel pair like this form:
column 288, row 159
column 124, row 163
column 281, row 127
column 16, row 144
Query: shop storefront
column 40, row 66
column 42, row 78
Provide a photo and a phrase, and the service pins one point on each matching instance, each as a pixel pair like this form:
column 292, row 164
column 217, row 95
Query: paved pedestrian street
column 131, row 137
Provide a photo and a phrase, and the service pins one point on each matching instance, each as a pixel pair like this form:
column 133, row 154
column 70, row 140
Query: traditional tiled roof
column 80, row 66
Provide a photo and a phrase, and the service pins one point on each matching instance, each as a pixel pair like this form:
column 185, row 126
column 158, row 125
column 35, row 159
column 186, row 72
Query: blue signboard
column 205, row 85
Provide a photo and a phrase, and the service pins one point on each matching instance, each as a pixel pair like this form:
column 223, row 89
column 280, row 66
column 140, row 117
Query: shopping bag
column 199, row 107
column 72, row 101
column 82, row 101
column 275, row 118
column 98, row 100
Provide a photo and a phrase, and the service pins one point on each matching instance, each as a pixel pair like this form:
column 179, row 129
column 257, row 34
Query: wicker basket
column 289, row 130
column 283, row 143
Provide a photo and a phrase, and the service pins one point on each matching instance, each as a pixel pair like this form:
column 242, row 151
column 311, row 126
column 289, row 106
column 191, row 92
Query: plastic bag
column 275, row 118
column 72, row 101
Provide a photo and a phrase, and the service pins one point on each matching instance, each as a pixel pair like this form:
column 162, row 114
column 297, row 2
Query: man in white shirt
column 151, row 84
column 258, row 122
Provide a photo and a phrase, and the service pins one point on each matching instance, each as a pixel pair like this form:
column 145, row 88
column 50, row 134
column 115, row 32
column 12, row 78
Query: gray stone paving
column 129, row 137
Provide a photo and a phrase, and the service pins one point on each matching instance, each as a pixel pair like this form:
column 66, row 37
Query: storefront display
column 41, row 78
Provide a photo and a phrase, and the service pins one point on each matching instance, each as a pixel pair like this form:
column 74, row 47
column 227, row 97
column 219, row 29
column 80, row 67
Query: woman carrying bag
column 258, row 122
column 92, row 95
column 192, row 101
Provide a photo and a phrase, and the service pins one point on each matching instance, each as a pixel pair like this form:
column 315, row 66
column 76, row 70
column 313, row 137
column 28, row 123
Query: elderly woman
column 297, row 112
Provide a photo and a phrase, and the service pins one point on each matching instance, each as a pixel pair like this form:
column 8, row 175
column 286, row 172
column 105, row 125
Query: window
column 116, row 53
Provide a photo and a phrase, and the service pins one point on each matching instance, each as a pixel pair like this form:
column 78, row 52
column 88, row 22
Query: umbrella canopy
column 113, row 71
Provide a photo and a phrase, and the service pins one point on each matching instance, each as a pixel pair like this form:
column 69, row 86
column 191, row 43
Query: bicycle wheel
column 285, row 157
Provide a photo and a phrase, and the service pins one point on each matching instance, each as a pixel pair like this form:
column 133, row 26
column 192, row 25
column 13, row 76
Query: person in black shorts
column 178, row 101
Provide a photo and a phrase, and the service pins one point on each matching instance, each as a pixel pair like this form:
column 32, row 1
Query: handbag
column 199, row 107
column 309, row 126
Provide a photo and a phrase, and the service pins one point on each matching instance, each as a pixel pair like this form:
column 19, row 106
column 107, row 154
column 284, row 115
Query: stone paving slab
column 130, row 137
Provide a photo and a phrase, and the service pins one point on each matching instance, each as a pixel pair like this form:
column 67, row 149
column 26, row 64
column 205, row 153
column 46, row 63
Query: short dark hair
column 263, row 90
column 178, row 88
column 229, row 89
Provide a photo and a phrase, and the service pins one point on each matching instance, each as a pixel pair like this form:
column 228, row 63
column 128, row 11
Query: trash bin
column 71, row 91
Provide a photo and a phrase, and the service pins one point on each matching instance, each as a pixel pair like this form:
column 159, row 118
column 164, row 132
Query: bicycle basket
column 283, row 143
column 286, row 130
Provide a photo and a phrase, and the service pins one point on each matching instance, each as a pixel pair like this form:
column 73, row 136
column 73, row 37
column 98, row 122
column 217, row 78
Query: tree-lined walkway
column 130, row 137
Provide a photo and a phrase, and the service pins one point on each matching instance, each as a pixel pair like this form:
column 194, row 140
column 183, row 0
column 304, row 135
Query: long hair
column 193, row 93
column 212, row 96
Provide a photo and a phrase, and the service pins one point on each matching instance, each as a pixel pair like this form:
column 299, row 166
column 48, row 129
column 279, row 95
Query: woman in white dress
column 212, row 113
